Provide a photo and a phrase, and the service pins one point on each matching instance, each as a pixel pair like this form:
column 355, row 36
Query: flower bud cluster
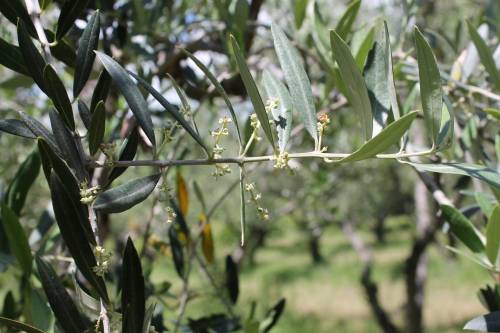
column 102, row 258
column 255, row 197
column 218, row 134
column 88, row 195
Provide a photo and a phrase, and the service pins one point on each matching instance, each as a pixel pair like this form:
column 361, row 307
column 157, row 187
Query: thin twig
column 328, row 157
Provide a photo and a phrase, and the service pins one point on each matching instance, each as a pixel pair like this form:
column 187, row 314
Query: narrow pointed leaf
column 85, row 114
column 31, row 56
column 97, row 128
column 39, row 130
column 463, row 228
column 493, row 235
column 14, row 10
column 24, row 178
column 390, row 74
column 127, row 153
column 126, row 196
column 219, row 89
column 17, row 325
column 282, row 114
column 446, row 130
column 170, row 109
column 485, row 55
column 60, row 301
column 131, row 93
column 389, row 136
column 273, row 315
column 12, row 58
column 299, row 12
column 148, row 317
column 85, row 54
column 58, row 95
column 377, row 82
column 177, row 251
column 133, row 299
column 101, row 90
column 74, row 236
column 182, row 194
column 297, row 80
column 18, row 242
column 487, row 323
column 346, row 21
column 252, row 91
column 207, row 241
column 430, row 86
column 16, row 127
column 71, row 207
column 232, row 279
column 68, row 146
column 357, row 93
column 70, row 11
column 480, row 172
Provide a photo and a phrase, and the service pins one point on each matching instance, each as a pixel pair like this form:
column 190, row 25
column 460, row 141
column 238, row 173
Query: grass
column 328, row 297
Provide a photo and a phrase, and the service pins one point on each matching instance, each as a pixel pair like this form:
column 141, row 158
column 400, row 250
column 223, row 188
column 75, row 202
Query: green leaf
column 14, row 10
column 177, row 252
column 133, row 299
column 390, row 74
column 126, row 196
column 70, row 11
column 252, row 91
column 430, row 86
column 84, row 113
column 446, row 129
column 463, row 228
column 493, row 235
column 127, row 153
column 170, row 109
column 484, row 202
column 12, row 58
column 389, row 136
column 18, row 242
column 297, row 80
column 232, row 280
column 71, row 207
column 131, row 93
column 31, row 56
column 85, row 54
column 68, row 146
column 273, row 315
column 17, row 325
column 60, row 301
column 480, row 172
column 101, row 89
column 219, row 89
column 357, row 93
column 39, row 131
column 346, row 21
column 494, row 113
column 148, row 316
column 299, row 12
column 57, row 93
column 16, row 127
column 97, row 128
column 361, row 44
column 282, row 114
column 26, row 175
column 74, row 235
column 377, row 82
column 485, row 55
column 487, row 323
